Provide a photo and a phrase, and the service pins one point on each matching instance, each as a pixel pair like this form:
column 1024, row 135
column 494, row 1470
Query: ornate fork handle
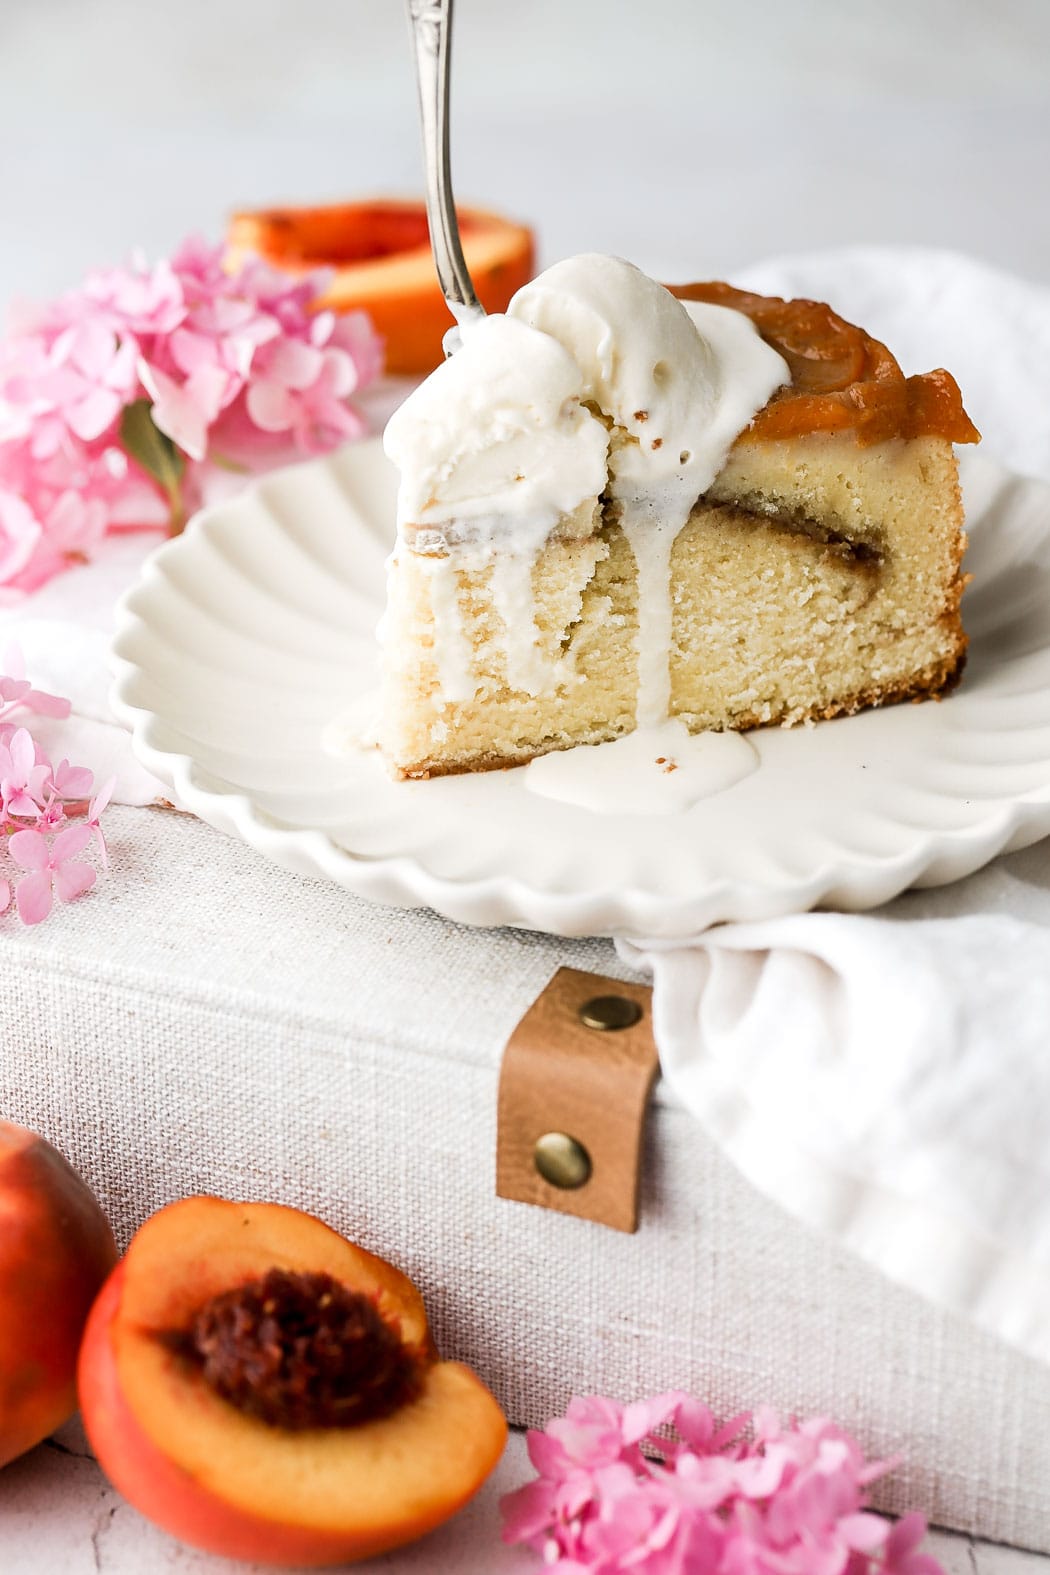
column 431, row 22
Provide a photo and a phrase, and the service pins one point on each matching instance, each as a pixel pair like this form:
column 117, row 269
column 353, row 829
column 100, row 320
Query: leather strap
column 577, row 1088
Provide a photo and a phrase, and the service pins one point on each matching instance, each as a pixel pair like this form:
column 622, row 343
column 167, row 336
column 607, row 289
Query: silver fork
column 431, row 22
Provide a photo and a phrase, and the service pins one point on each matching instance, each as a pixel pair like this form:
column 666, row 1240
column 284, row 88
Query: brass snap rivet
column 561, row 1160
column 609, row 1012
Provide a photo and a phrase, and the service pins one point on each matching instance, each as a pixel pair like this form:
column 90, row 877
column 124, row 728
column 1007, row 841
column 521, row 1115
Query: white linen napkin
column 886, row 1077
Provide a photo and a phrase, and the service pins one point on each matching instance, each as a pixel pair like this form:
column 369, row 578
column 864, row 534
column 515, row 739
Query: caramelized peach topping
column 841, row 378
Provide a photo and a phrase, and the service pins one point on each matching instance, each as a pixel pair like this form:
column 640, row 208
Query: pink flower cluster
column 113, row 395
column 37, row 802
column 613, row 1497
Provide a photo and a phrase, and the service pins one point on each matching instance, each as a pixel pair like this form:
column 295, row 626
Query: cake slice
column 621, row 504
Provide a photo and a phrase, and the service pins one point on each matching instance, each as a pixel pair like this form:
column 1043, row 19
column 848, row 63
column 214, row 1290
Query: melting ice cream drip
column 660, row 770
column 652, row 545
column 512, row 593
column 453, row 654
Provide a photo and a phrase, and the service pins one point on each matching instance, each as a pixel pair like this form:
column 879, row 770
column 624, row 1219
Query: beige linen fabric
column 205, row 1022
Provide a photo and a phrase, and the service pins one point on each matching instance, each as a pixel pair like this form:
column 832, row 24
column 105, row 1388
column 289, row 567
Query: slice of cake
column 621, row 504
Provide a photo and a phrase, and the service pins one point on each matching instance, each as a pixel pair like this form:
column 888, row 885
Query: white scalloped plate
column 250, row 633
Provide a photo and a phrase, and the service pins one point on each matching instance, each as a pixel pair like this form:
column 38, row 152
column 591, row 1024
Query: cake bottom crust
column 933, row 683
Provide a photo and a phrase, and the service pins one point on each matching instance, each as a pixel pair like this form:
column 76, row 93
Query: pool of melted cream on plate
column 658, row 770
column 661, row 770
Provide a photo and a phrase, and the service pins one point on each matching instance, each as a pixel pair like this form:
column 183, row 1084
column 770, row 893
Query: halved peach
column 381, row 255
column 56, row 1248
column 224, row 1375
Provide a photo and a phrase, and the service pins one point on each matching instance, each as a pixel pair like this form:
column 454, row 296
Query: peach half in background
column 380, row 252
column 263, row 1389
column 56, row 1248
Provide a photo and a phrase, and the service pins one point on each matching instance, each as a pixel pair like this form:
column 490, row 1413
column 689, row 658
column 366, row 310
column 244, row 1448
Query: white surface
column 253, row 632
column 100, row 1534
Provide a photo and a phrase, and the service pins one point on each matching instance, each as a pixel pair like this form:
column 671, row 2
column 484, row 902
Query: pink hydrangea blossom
column 47, row 817
column 115, row 396
column 95, row 808
column 658, row 1488
column 23, row 782
column 50, row 862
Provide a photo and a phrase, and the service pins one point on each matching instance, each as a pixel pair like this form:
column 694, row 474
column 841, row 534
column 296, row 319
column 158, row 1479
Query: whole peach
column 56, row 1249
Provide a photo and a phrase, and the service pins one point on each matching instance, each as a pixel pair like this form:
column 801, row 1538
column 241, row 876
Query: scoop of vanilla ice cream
column 497, row 435
column 644, row 365
column 676, row 396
